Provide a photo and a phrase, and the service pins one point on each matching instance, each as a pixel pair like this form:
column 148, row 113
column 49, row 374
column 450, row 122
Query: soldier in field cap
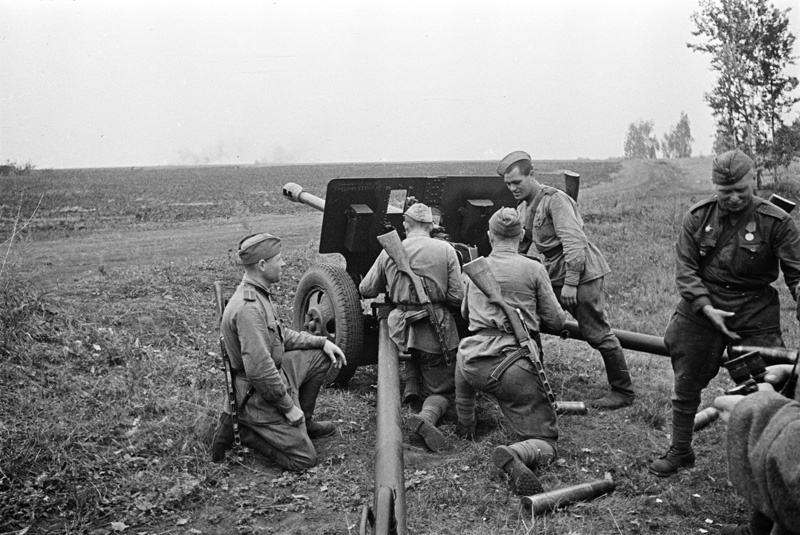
column 488, row 360
column 436, row 262
column 728, row 252
column 278, row 372
column 554, row 232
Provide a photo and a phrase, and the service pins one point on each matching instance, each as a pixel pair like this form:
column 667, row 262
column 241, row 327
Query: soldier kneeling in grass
column 490, row 360
column 277, row 372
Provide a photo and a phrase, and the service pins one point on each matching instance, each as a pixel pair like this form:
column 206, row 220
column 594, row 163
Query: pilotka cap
column 257, row 247
column 511, row 159
column 506, row 222
column 730, row 167
column 420, row 212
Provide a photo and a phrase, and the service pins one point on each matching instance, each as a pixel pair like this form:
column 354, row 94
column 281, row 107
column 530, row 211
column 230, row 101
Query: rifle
column 481, row 275
column 393, row 246
column 226, row 365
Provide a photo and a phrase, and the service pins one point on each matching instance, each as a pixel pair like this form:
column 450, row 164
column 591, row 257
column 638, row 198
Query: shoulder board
column 767, row 208
column 549, row 190
column 249, row 293
column 702, row 203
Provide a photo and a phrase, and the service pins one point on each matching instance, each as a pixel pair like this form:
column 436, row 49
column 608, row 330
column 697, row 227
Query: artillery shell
column 549, row 501
column 705, row 417
column 570, row 407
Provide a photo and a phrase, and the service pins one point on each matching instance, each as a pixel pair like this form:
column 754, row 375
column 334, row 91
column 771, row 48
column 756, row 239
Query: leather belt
column 491, row 332
column 408, row 307
column 550, row 253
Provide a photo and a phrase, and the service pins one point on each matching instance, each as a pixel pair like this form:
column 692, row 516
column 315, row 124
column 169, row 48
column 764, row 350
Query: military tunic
column 276, row 368
column 436, row 262
column 524, row 285
column 735, row 278
column 554, row 229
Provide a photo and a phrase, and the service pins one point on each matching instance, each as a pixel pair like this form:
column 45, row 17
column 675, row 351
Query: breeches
column 304, row 373
column 696, row 354
column 437, row 376
column 518, row 392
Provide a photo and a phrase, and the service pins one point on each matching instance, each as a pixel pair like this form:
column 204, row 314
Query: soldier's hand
column 335, row 354
column 295, row 416
column 569, row 296
column 726, row 404
column 717, row 318
column 778, row 375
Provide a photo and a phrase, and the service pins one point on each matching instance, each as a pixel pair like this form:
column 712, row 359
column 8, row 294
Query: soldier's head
column 418, row 217
column 260, row 254
column 505, row 227
column 517, row 172
column 733, row 174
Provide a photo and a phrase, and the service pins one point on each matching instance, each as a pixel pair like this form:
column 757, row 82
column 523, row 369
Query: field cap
column 510, row 160
column 506, row 222
column 257, row 247
column 420, row 212
column 730, row 167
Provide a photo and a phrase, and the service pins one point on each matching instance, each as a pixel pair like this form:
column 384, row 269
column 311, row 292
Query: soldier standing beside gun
column 554, row 229
column 490, row 360
column 277, row 372
column 728, row 253
column 436, row 262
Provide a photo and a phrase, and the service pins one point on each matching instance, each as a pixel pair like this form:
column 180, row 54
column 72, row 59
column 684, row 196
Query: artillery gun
column 358, row 210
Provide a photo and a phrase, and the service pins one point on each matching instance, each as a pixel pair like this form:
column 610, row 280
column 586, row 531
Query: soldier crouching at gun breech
column 276, row 372
column 505, row 296
column 728, row 253
column 421, row 276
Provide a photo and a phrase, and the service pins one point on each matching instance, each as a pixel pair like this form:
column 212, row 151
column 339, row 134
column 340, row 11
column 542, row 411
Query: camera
column 746, row 371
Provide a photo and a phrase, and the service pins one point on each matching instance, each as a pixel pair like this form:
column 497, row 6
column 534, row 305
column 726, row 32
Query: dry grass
column 109, row 391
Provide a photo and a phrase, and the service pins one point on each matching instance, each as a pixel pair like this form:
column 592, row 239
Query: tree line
column 750, row 45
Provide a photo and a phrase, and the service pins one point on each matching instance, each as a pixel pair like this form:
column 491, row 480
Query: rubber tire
column 327, row 303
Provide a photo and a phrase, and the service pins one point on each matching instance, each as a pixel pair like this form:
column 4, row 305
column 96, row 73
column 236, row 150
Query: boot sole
column 522, row 478
column 672, row 473
column 433, row 438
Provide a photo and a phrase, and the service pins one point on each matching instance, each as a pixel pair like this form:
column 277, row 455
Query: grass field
column 109, row 389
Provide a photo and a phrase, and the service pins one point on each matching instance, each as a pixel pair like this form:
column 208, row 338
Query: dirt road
column 84, row 255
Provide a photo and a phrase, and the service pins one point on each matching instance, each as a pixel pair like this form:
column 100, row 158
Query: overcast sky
column 122, row 83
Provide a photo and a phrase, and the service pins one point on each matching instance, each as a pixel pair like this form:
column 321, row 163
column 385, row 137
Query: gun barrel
column 628, row 339
column 549, row 501
column 390, row 490
column 770, row 355
column 295, row 193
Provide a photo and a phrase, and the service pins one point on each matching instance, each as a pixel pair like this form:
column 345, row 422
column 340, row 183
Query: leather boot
column 613, row 400
column 672, row 461
column 424, row 423
column 518, row 460
column 320, row 429
column 223, row 438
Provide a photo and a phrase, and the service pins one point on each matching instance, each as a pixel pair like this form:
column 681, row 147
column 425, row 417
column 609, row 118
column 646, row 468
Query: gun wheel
column 327, row 303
